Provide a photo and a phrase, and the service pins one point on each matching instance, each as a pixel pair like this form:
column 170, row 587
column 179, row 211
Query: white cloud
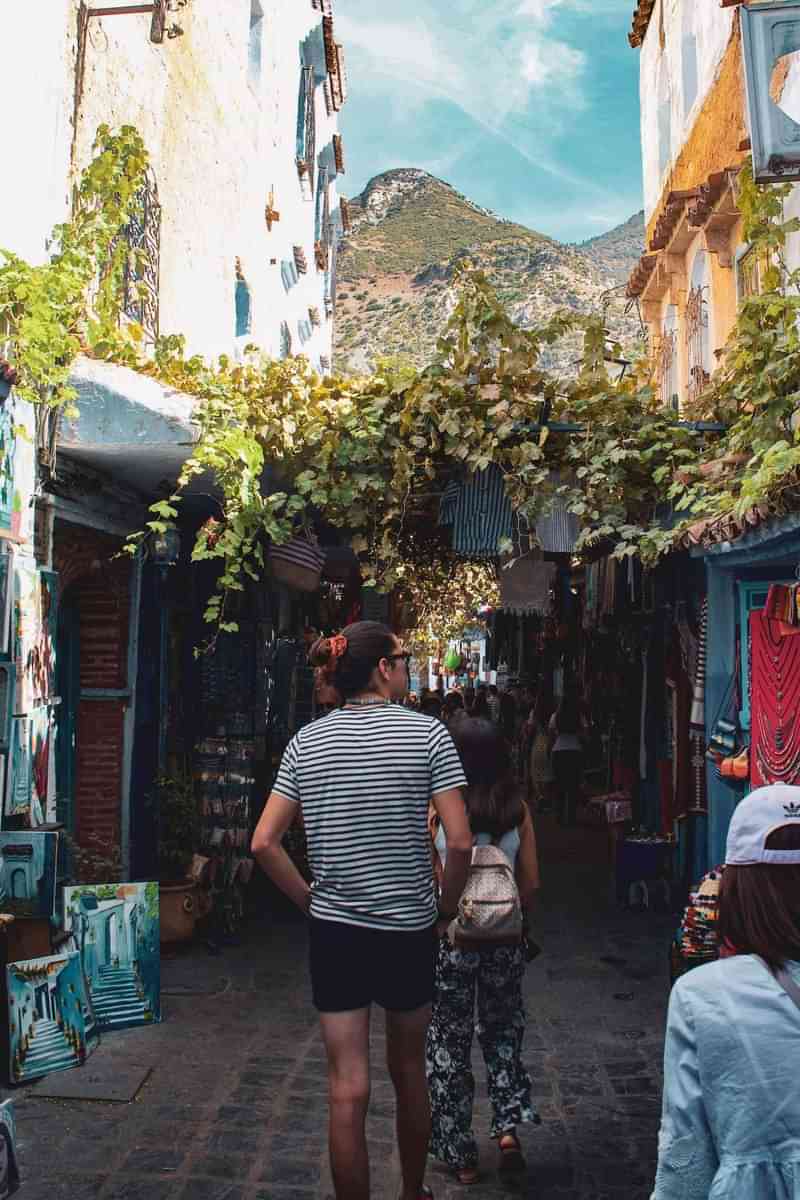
column 555, row 63
column 505, row 68
column 508, row 65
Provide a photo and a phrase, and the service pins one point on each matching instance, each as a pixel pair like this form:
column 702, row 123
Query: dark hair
column 367, row 643
column 494, row 801
column 431, row 706
column 452, row 702
column 480, row 707
column 759, row 906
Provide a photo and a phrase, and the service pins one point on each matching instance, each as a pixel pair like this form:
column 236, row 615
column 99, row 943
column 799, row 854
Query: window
column 242, row 301
column 254, row 47
column 664, row 119
column 689, row 59
column 667, row 362
column 306, row 132
column 749, row 268
column 698, row 333
column 140, row 279
column 289, row 275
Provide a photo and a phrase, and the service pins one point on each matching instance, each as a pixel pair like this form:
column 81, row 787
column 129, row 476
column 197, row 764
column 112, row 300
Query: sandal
column 511, row 1157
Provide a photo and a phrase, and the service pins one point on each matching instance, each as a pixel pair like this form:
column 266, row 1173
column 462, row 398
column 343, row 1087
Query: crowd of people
column 547, row 740
column 424, row 876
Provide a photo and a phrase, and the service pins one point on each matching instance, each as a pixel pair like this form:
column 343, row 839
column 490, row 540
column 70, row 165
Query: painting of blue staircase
column 115, row 929
column 47, row 1004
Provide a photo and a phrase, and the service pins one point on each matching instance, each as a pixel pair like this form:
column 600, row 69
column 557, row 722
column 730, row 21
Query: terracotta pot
column 178, row 911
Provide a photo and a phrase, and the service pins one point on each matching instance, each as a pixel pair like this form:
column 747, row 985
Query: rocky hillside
column 396, row 268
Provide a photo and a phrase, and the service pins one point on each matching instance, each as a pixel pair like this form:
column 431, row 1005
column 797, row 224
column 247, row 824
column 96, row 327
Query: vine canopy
column 371, row 454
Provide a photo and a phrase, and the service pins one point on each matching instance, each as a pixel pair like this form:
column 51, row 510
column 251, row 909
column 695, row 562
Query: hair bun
column 326, row 651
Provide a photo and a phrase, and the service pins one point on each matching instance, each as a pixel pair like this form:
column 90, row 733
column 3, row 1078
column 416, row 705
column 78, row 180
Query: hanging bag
column 724, row 739
column 297, row 563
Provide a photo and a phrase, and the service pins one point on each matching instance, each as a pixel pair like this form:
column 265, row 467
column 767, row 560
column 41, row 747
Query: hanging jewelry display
column 775, row 696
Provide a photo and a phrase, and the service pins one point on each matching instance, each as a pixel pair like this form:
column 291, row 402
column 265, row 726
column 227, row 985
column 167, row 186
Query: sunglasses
column 406, row 657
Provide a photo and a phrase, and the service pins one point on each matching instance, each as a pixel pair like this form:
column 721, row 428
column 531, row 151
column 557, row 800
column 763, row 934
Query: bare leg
column 347, row 1045
column 405, row 1054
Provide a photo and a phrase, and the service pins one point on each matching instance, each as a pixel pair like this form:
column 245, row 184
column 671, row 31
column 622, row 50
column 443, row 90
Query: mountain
column 396, row 265
column 618, row 250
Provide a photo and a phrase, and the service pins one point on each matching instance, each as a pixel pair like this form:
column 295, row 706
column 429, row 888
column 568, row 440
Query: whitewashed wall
column 675, row 80
column 35, row 122
column 220, row 136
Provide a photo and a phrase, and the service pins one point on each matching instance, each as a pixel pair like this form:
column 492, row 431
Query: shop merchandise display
column 698, row 938
column 775, row 695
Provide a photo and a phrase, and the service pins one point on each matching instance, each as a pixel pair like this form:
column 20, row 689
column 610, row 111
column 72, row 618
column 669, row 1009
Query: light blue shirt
column 730, row 1127
column 509, row 843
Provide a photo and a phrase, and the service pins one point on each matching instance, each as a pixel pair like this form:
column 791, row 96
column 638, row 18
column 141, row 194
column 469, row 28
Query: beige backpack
column 490, row 908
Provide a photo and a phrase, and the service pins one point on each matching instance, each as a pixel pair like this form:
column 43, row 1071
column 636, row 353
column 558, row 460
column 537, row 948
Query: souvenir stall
column 639, row 670
column 252, row 690
column 746, row 703
column 752, row 681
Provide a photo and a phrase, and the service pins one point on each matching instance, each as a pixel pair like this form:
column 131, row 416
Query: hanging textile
column 479, row 512
column 774, row 702
column 697, row 722
column 526, row 585
column 609, row 595
column 592, row 595
column 558, row 531
column 698, row 715
column 643, row 716
column 680, row 674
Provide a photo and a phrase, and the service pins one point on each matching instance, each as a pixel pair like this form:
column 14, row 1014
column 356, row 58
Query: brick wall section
column 99, row 585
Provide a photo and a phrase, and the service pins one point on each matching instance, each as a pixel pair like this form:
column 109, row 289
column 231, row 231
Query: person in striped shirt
column 363, row 777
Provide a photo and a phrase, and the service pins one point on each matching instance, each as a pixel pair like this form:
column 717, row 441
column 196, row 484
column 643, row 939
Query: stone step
column 119, row 1006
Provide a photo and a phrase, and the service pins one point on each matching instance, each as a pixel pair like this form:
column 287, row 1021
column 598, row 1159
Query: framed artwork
column 6, row 577
column 10, row 492
column 7, row 699
column 46, row 1016
column 42, row 738
column 42, row 664
column 9, row 1163
column 19, row 784
column 27, row 622
column 116, row 932
column 28, row 873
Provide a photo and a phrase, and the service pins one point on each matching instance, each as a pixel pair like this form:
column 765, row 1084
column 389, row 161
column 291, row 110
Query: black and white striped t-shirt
column 364, row 777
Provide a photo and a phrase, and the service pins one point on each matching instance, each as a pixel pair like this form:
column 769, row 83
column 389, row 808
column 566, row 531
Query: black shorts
column 353, row 967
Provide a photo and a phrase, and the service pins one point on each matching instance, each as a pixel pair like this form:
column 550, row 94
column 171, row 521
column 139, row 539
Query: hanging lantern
column 165, row 547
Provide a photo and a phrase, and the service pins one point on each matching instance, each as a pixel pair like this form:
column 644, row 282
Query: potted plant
column 178, row 828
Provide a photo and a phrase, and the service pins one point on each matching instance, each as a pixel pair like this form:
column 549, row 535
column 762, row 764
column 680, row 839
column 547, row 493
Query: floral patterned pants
column 495, row 974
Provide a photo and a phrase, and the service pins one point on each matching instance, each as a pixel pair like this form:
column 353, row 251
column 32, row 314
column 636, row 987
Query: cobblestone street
column 234, row 1106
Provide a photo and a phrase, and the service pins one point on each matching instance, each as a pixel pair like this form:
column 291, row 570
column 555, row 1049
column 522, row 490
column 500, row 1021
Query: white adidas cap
column 756, row 817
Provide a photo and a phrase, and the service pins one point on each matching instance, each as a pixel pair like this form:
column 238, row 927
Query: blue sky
column 529, row 107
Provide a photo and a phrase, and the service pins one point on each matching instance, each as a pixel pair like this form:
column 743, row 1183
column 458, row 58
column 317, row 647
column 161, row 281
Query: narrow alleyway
column 234, row 1105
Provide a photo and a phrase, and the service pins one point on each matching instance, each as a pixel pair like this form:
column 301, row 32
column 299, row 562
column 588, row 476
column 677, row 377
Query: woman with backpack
column 483, row 957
